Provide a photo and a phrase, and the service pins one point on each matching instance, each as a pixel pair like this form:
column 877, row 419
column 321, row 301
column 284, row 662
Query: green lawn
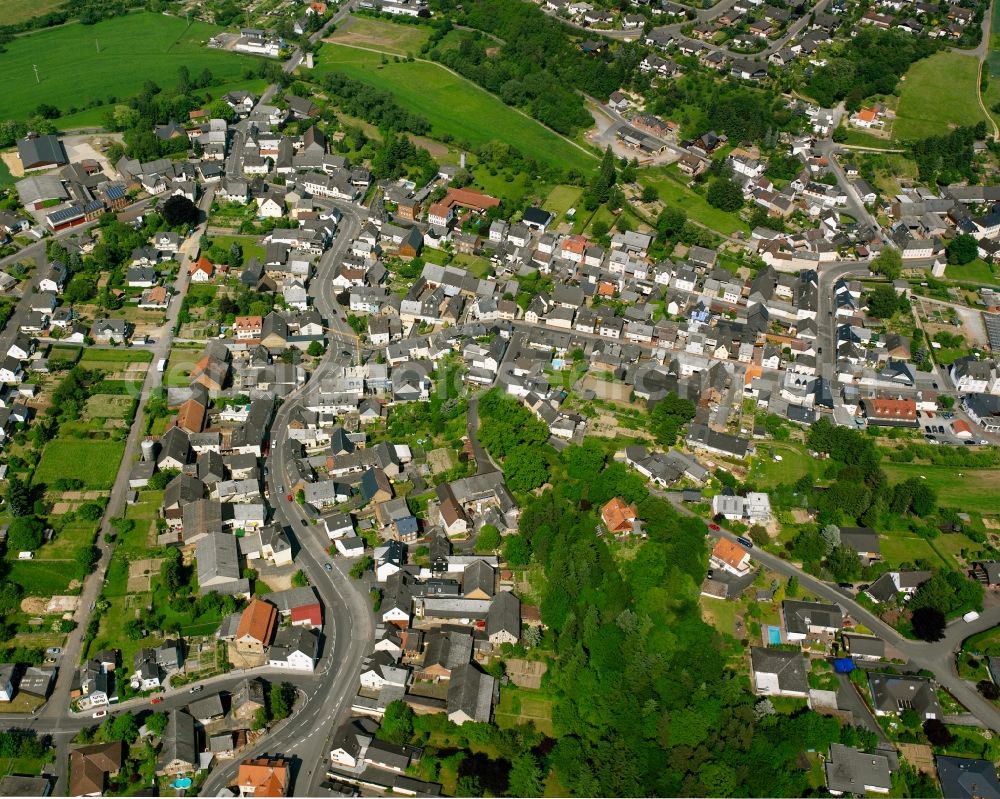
column 62, row 354
column 897, row 549
column 720, row 613
column 40, row 577
column 453, row 105
column 476, row 264
column 973, row 490
column 179, row 365
column 65, row 457
column 381, row 35
column 860, row 138
column 795, row 462
column 978, row 272
column 117, row 356
column 561, row 199
column 674, row 192
column 67, row 542
column 132, row 49
column 937, row 94
column 252, row 248
column 524, row 705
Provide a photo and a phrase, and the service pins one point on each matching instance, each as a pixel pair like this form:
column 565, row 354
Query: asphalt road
column 348, row 620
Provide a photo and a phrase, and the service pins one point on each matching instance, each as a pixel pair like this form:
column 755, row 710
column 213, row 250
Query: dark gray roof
column 471, row 691
column 849, row 770
column 864, row 645
column 883, row 589
column 790, row 667
column 180, row 740
column 504, row 615
column 799, row 616
column 962, row 778
column 894, row 694
column 41, row 150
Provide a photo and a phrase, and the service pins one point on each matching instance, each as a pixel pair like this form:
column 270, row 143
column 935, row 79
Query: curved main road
column 348, row 619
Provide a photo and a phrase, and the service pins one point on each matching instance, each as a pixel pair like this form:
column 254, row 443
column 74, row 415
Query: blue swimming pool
column 773, row 634
column 183, row 782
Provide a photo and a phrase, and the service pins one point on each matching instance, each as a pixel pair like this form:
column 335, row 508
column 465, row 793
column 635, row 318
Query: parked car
column 714, row 527
column 328, row 566
column 100, row 714
column 156, row 700
column 745, row 541
column 289, row 497
column 196, row 688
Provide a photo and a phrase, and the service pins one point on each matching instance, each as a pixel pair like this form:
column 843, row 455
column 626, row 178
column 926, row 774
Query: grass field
column 524, row 705
column 673, row 192
column 453, row 105
column 953, row 544
column 860, row 138
column 67, row 542
column 133, row 49
column 40, row 577
column 381, row 35
column 117, row 357
column 978, row 272
column 561, row 199
column 252, row 248
column 897, row 549
column 63, row 354
column 938, row 93
column 795, row 462
column 64, row 457
column 973, row 490
column 108, row 406
column 179, row 366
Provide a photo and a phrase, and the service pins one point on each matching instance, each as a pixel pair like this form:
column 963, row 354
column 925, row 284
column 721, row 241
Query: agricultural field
column 972, row 490
column 15, row 11
column 80, row 63
column 381, row 35
column 937, row 94
column 62, row 458
column 454, row 106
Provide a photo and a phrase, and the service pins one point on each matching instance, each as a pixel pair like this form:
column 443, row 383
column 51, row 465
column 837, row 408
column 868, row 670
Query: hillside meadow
column 112, row 59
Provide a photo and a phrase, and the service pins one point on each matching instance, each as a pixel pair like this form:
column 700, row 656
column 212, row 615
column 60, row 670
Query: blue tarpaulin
column 843, row 665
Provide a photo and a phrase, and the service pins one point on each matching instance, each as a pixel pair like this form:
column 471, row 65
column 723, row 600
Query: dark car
column 745, row 541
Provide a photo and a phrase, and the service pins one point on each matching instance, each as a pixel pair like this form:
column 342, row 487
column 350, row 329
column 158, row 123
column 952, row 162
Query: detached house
column 778, row 673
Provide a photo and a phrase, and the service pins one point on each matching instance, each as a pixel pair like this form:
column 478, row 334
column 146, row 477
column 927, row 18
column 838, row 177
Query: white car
column 100, row 714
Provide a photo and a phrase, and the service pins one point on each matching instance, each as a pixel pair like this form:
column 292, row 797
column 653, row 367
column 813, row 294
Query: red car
column 714, row 528
column 289, row 497
column 156, row 700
